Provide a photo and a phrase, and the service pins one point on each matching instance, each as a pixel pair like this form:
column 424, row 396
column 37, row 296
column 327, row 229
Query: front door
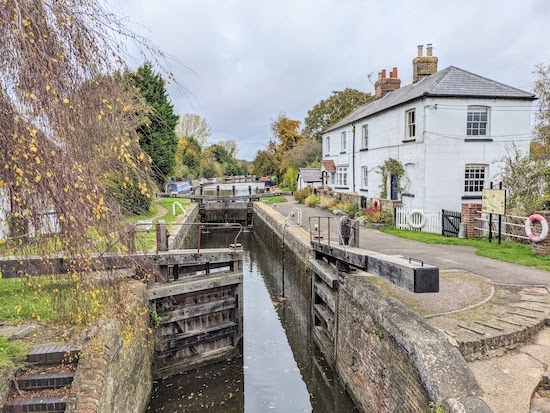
column 393, row 187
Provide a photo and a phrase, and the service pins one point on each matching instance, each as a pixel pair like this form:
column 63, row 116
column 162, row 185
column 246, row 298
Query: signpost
column 494, row 202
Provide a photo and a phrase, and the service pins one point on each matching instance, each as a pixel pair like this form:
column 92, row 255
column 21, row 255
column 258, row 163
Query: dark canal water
column 280, row 369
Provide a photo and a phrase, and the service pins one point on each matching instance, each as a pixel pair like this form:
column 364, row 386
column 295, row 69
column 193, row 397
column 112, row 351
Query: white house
column 449, row 130
column 309, row 177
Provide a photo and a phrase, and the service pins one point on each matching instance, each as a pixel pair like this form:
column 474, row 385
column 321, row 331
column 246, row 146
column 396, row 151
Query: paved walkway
column 443, row 256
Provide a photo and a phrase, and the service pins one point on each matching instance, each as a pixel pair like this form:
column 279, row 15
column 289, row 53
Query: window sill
column 409, row 140
column 363, row 149
column 341, row 153
column 407, row 194
column 341, row 187
column 472, row 197
column 478, row 140
column 364, row 189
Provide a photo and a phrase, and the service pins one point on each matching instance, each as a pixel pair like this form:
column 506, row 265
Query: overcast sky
column 252, row 59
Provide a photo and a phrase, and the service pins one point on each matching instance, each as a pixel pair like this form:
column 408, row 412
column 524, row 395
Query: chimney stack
column 385, row 85
column 424, row 66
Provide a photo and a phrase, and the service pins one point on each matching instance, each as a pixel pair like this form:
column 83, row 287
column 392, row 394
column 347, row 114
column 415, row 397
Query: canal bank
column 388, row 358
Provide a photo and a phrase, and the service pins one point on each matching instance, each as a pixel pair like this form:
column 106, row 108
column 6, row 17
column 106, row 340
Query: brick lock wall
column 543, row 247
column 376, row 369
column 469, row 215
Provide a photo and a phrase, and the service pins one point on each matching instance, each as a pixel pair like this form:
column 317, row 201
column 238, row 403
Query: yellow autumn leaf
column 65, row 100
column 37, row 178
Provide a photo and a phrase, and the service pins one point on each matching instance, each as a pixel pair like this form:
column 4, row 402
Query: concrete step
column 52, row 354
column 36, row 404
column 45, row 380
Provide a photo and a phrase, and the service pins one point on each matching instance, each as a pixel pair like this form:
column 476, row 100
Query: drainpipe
column 353, row 157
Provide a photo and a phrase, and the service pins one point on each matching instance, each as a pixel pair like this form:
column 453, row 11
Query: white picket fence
column 433, row 220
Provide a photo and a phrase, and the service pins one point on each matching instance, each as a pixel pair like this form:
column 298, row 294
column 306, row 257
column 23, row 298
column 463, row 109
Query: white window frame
column 327, row 145
column 475, row 177
column 365, row 177
column 342, row 176
column 332, row 178
column 343, row 142
column 410, row 124
column 477, row 121
column 365, row 136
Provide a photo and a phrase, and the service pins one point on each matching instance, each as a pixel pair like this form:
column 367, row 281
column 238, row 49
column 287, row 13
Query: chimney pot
column 379, row 75
column 383, row 73
column 429, row 49
column 420, row 50
column 395, row 73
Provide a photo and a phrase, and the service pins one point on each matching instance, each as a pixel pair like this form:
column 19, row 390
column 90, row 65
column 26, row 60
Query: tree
column 157, row 136
column 527, row 176
column 188, row 159
column 286, row 132
column 329, row 111
column 230, row 146
column 306, row 153
column 64, row 123
column 193, row 125
column 264, row 162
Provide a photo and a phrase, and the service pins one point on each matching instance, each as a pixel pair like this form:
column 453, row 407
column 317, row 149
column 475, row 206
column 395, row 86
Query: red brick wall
column 543, row 247
column 469, row 215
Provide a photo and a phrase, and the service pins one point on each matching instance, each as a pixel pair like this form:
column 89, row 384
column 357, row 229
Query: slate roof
column 310, row 174
column 329, row 165
column 449, row 82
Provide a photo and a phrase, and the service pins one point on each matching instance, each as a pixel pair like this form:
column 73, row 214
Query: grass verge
column 274, row 200
column 20, row 300
column 12, row 352
column 507, row 251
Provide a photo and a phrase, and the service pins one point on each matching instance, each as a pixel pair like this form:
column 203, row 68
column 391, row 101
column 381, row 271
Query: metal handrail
column 291, row 214
column 319, row 217
column 226, row 225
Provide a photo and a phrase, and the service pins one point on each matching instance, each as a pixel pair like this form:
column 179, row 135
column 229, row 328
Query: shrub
column 327, row 202
column 372, row 214
column 351, row 208
column 302, row 194
column 312, row 200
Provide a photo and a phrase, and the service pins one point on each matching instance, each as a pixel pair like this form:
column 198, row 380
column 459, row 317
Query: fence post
column 162, row 236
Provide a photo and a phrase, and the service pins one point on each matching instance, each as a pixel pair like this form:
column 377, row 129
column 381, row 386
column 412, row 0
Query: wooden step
column 36, row 404
column 52, row 354
column 45, row 380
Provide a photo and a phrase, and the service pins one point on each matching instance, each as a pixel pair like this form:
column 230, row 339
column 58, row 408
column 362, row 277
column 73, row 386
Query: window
column 332, row 178
column 474, row 178
column 343, row 147
column 342, row 176
column 365, row 136
column 476, row 121
column 328, row 145
column 365, row 177
column 411, row 124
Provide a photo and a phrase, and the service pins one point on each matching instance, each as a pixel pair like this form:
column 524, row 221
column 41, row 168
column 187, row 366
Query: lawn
column 507, row 251
column 22, row 301
column 11, row 352
column 274, row 200
column 162, row 209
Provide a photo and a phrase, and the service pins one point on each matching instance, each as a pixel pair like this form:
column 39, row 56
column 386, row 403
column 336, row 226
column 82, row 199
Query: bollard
column 233, row 190
column 217, row 190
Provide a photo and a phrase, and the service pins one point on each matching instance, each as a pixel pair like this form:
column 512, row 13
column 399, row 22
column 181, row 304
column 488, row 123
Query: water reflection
column 279, row 370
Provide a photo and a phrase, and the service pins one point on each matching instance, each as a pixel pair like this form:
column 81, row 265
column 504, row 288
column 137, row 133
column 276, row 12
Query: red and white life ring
column 376, row 204
column 544, row 233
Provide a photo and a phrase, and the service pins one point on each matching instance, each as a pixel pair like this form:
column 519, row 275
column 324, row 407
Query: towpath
column 443, row 256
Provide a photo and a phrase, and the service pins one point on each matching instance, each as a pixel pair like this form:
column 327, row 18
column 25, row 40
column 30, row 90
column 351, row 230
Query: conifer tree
column 157, row 137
